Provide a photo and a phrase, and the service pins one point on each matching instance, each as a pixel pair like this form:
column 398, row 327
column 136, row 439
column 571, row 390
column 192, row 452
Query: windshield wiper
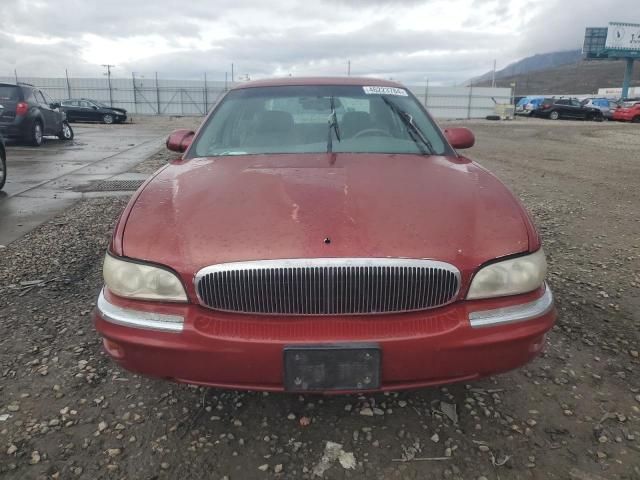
column 333, row 124
column 412, row 129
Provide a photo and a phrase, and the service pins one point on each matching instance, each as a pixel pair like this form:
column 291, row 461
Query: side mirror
column 460, row 137
column 179, row 140
column 94, row 107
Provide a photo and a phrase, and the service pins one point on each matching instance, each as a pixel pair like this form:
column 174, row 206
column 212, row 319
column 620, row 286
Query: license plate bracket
column 332, row 367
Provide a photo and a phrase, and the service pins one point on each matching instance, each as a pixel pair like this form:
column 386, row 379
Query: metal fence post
column 135, row 99
column 426, row 92
column 157, row 94
column 206, row 100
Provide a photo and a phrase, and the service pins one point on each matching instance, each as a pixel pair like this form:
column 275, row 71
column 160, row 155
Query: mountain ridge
column 533, row 63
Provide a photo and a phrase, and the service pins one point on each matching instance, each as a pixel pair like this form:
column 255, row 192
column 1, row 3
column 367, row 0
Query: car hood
column 116, row 110
column 205, row 211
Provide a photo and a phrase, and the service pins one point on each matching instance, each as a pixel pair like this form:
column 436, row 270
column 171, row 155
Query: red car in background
column 628, row 112
column 323, row 235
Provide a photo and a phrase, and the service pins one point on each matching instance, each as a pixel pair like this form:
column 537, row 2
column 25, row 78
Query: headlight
column 140, row 281
column 509, row 277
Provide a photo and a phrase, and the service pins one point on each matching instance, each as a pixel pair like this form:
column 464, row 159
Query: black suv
column 85, row 110
column 28, row 114
column 555, row 108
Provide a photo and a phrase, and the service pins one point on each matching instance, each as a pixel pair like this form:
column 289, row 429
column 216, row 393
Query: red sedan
column 323, row 235
column 628, row 112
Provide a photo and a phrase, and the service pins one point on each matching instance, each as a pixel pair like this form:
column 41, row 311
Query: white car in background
column 526, row 105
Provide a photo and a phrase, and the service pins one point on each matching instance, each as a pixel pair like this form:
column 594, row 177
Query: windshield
column 296, row 119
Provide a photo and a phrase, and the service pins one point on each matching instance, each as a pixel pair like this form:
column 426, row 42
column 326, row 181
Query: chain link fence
column 150, row 95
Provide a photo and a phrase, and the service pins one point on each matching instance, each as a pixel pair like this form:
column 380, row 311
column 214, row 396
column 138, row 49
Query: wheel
column 67, row 132
column 636, row 119
column 107, row 118
column 35, row 135
column 3, row 168
column 555, row 115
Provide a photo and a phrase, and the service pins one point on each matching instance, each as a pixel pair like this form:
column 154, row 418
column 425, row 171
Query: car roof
column 299, row 81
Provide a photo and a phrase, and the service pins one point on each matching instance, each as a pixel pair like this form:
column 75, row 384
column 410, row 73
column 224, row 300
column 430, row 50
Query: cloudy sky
column 447, row 41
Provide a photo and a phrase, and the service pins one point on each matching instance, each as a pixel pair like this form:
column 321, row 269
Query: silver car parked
column 605, row 105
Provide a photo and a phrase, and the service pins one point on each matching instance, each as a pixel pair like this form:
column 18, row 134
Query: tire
column 107, row 118
column 36, row 134
column 67, row 132
column 636, row 119
column 554, row 115
column 3, row 168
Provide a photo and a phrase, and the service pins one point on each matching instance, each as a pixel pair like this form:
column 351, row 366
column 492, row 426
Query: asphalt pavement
column 44, row 181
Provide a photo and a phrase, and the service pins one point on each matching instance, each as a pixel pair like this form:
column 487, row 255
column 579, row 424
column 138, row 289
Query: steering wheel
column 369, row 131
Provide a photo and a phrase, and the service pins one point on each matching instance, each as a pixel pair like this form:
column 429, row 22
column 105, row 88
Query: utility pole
column 493, row 77
column 232, row 77
column 108, row 74
column 348, row 68
column 66, row 73
column 225, row 81
column 15, row 72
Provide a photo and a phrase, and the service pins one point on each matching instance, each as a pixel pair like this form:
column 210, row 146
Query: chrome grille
column 328, row 286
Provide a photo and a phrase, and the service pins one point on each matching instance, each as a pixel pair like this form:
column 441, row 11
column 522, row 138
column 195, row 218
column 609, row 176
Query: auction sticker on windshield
column 385, row 91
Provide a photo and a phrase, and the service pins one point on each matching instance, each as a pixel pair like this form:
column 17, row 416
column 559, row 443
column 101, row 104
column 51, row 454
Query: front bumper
column 191, row 344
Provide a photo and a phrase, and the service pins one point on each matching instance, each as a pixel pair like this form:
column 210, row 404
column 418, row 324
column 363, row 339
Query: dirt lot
column 66, row 411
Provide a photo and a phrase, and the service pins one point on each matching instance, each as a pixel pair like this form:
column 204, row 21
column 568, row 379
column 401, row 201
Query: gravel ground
column 67, row 411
